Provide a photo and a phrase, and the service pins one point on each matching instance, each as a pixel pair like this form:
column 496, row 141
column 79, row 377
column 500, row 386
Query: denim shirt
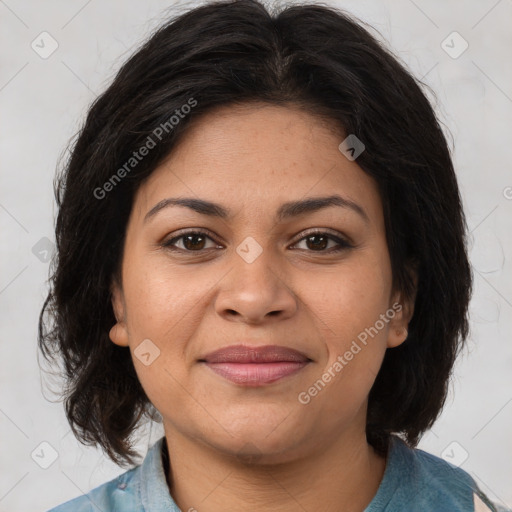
column 413, row 480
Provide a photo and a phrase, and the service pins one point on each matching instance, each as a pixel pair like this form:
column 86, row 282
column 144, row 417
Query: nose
column 255, row 292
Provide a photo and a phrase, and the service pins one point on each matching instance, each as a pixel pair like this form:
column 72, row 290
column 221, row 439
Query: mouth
column 255, row 366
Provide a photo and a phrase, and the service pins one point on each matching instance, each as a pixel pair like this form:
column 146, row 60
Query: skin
column 259, row 447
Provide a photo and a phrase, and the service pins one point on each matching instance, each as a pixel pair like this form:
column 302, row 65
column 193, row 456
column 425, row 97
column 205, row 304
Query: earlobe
column 399, row 325
column 396, row 336
column 118, row 333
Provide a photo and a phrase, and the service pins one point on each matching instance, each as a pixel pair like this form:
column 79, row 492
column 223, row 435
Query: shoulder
column 143, row 487
column 441, row 477
column 116, row 494
column 431, row 481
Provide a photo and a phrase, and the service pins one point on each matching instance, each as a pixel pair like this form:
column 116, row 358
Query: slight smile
column 255, row 366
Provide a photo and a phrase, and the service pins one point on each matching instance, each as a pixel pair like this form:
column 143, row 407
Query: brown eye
column 193, row 241
column 319, row 242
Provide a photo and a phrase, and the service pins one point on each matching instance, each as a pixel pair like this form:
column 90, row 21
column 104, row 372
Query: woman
column 260, row 236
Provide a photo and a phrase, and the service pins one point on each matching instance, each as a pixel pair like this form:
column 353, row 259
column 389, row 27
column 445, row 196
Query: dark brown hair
column 234, row 52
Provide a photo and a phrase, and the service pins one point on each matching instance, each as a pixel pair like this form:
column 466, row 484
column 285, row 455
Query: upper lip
column 252, row 354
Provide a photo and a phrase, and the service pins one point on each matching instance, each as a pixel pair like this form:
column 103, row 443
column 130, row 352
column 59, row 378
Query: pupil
column 322, row 245
column 189, row 245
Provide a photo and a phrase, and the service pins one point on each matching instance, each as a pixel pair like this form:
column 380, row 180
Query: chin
column 261, row 444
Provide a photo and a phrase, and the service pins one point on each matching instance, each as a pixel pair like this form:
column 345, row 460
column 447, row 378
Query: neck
column 344, row 475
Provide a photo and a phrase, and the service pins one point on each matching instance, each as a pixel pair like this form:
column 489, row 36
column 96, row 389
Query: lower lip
column 255, row 374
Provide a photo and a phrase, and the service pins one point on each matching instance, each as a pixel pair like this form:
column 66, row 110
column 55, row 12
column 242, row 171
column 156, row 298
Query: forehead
column 255, row 158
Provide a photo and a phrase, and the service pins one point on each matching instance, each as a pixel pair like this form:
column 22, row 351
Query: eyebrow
column 285, row 211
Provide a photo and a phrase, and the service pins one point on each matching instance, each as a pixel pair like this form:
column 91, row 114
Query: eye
column 196, row 241
column 318, row 241
column 192, row 241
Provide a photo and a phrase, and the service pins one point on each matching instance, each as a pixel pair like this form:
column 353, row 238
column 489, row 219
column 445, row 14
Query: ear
column 119, row 332
column 403, row 307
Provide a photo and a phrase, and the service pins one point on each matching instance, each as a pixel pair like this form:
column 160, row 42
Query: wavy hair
column 235, row 52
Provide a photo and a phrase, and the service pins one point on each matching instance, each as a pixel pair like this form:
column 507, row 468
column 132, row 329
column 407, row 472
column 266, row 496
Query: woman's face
column 256, row 276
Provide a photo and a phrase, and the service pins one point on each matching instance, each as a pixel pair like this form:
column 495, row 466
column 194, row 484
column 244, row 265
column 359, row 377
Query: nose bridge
column 256, row 285
column 256, row 264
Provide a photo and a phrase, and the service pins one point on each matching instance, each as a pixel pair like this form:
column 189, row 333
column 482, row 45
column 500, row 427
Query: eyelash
column 343, row 244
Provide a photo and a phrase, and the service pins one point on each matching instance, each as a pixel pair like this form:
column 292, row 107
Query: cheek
column 166, row 304
column 158, row 295
column 163, row 306
column 352, row 298
column 352, row 314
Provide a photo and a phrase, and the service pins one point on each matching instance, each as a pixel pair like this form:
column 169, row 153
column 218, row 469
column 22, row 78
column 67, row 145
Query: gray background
column 43, row 101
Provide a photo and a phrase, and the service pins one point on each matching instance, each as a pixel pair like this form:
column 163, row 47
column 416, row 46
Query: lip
column 255, row 366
